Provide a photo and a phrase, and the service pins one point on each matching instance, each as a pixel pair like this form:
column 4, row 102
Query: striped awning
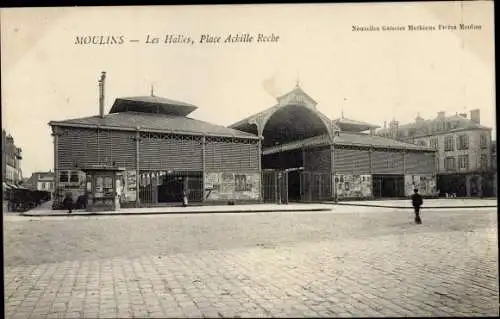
column 11, row 186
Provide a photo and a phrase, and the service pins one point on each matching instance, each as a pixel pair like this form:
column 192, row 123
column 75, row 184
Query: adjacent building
column 288, row 152
column 463, row 145
column 494, row 166
column 41, row 181
column 11, row 160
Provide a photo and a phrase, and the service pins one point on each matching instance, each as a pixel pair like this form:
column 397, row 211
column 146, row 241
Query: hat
column 415, row 190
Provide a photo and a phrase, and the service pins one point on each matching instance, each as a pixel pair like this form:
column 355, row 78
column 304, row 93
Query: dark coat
column 68, row 202
column 416, row 200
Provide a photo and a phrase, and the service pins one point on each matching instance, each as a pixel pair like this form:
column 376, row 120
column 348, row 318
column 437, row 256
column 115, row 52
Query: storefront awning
column 12, row 186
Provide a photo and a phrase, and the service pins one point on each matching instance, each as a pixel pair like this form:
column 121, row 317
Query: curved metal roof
column 279, row 118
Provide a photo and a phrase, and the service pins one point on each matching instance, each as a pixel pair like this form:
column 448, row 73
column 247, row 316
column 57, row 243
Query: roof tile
column 156, row 122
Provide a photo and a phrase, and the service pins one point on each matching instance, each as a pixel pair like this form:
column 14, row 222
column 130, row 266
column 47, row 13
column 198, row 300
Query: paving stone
column 318, row 265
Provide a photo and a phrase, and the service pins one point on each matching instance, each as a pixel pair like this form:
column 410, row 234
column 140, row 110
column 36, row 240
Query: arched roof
column 295, row 117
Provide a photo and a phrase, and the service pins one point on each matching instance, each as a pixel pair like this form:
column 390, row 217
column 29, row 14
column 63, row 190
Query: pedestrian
column 184, row 198
column 417, row 201
column 68, row 202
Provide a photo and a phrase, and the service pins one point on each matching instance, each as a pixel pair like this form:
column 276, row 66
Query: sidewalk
column 256, row 208
column 439, row 203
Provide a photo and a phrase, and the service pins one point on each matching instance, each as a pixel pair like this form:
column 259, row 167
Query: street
column 352, row 261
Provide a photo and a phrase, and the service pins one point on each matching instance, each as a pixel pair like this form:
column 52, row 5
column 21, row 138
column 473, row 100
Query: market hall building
column 308, row 157
column 148, row 152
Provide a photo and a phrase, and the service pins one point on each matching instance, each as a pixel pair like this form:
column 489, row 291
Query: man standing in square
column 417, row 201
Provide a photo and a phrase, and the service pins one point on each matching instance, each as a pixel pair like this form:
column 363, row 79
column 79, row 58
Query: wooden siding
column 352, row 161
column 174, row 153
column 227, row 156
column 420, row 163
column 77, row 147
column 123, row 148
column 387, row 162
column 318, row 159
column 84, row 147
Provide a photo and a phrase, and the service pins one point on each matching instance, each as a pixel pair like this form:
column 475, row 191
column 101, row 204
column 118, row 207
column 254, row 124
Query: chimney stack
column 440, row 115
column 101, row 94
column 475, row 116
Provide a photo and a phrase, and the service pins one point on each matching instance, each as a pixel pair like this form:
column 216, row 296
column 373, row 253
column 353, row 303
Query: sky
column 373, row 76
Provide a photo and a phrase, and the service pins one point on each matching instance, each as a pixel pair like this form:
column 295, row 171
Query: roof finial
column 342, row 108
column 297, row 81
column 152, row 86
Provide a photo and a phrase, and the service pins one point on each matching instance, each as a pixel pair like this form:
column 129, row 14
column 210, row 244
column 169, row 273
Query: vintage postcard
column 126, row 131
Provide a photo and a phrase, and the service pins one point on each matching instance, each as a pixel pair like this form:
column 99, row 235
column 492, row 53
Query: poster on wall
column 212, row 181
column 353, row 186
column 230, row 186
column 426, row 184
column 227, row 183
column 130, row 186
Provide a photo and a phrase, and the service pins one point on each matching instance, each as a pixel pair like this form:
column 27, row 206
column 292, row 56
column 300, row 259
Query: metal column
column 203, row 166
column 56, row 134
column 332, row 158
column 137, row 163
column 259, row 162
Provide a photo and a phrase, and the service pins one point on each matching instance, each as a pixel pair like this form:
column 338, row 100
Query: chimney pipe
column 475, row 116
column 101, row 94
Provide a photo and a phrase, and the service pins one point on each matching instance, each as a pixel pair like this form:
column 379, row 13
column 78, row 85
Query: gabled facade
column 322, row 159
column 41, row 181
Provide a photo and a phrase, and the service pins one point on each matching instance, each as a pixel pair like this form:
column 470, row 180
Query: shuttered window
column 449, row 164
column 463, row 142
column 449, row 143
column 483, row 141
column 463, row 162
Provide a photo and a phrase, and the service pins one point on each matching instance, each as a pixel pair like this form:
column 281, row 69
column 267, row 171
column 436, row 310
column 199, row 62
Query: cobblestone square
column 352, row 261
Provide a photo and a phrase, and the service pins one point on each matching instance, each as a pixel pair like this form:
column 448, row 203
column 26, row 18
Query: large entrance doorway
column 160, row 187
column 281, row 176
column 388, row 186
column 294, row 187
column 452, row 184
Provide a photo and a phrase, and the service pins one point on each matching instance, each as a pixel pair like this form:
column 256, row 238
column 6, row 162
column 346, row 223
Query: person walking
column 417, row 201
column 68, row 202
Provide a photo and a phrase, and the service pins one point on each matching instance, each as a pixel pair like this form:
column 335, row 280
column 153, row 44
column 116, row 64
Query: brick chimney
column 101, row 94
column 475, row 116
column 441, row 115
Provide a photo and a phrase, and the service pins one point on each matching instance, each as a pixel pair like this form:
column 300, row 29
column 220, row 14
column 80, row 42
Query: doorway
column 294, row 186
column 388, row 186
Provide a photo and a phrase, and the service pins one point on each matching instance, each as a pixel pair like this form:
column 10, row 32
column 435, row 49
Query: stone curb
column 409, row 207
column 180, row 212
